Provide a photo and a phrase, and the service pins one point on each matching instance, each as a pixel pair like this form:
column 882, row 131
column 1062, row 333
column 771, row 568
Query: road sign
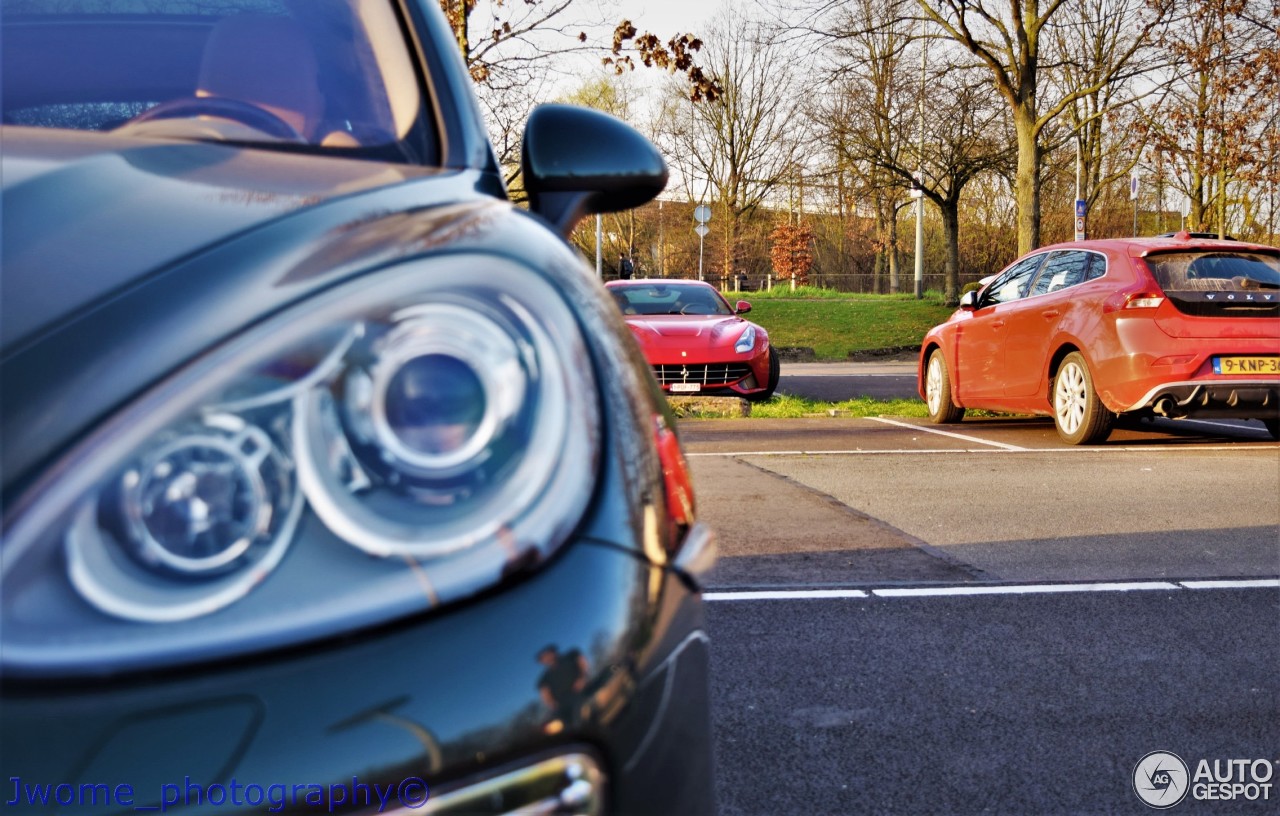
column 702, row 230
column 1133, row 187
column 1080, row 208
column 1079, row 229
column 702, row 214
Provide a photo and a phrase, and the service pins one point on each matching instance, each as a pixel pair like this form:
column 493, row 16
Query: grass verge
column 784, row 406
column 835, row 327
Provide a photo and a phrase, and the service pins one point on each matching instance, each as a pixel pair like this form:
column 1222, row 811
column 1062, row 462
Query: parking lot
column 978, row 618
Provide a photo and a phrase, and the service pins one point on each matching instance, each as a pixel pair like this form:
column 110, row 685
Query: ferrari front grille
column 702, row 373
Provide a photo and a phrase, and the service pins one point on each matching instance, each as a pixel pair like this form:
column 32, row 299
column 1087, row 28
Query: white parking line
column 783, row 595
column 1273, row 583
column 1000, row 445
column 971, row 590
column 915, row 451
column 1031, row 589
column 836, row 452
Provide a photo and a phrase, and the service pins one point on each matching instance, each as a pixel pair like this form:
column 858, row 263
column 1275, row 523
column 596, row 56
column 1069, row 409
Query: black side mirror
column 969, row 300
column 578, row 161
column 742, row 307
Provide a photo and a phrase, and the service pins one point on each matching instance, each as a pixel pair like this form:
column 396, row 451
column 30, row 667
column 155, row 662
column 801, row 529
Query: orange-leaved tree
column 792, row 251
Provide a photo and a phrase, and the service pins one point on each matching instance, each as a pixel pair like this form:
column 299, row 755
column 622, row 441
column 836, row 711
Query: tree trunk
column 881, row 266
column 893, row 251
column 1027, row 184
column 730, row 244
column 951, row 234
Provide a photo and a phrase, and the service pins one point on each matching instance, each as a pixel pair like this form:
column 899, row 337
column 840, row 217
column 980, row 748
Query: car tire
column 1079, row 415
column 775, row 371
column 937, row 390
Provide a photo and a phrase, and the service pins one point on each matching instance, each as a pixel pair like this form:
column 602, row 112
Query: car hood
column 683, row 329
column 75, row 205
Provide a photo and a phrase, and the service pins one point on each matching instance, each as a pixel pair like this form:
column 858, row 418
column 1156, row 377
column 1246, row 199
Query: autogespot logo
column 1161, row 779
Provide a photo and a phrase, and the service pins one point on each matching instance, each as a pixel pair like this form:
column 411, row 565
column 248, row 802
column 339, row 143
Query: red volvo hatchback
column 1088, row 331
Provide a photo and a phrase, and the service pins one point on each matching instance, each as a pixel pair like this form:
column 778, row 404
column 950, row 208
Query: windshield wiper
column 1253, row 283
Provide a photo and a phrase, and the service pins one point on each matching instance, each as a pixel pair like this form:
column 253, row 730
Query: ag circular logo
column 1161, row 779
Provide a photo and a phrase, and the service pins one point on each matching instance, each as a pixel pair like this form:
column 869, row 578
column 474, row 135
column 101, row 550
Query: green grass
column 785, row 406
column 834, row 325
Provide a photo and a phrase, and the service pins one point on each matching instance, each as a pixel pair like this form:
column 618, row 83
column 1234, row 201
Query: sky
column 666, row 17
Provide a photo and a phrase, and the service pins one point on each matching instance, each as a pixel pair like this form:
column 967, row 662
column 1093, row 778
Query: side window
column 1063, row 269
column 1012, row 283
column 1097, row 267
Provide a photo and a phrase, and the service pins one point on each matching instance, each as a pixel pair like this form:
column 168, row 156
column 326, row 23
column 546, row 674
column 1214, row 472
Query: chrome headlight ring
column 398, row 489
column 440, row 419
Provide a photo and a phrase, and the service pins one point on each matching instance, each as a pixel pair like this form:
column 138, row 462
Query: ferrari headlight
column 395, row 444
column 747, row 341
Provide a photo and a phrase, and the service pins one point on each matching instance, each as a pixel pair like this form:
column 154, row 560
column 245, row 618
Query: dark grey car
column 330, row 478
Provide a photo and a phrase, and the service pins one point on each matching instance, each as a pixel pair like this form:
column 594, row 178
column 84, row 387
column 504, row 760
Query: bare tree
column 867, row 120
column 1007, row 39
column 1082, row 42
column 876, row 125
column 1218, row 124
column 742, row 145
column 505, row 43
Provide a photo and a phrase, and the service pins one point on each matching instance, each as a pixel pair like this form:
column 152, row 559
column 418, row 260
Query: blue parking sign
column 1080, row 208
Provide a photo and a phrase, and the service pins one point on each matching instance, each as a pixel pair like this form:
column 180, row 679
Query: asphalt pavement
column 892, row 378
column 980, row 619
column 1037, row 704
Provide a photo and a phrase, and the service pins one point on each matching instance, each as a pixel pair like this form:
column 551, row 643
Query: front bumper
column 449, row 699
column 732, row 378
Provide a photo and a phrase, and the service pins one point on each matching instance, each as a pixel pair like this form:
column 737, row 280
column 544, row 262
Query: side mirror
column 969, row 300
column 578, row 162
column 742, row 307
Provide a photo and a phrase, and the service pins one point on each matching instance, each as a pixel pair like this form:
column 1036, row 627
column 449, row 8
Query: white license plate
column 686, row 388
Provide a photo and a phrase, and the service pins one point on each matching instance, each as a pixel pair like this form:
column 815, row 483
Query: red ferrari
column 1088, row 331
column 695, row 341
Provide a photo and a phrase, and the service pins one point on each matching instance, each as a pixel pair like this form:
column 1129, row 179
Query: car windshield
column 669, row 299
column 331, row 74
column 1243, row 284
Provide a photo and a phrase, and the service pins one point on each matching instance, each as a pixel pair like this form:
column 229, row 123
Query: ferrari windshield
column 324, row 73
column 669, row 299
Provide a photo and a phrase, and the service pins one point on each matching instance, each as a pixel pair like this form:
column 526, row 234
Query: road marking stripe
column 914, row 451
column 1001, row 445
column 783, row 594
column 971, row 590
column 1254, row 584
column 1029, row 589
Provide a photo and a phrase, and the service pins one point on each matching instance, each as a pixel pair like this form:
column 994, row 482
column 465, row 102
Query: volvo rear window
column 1243, row 284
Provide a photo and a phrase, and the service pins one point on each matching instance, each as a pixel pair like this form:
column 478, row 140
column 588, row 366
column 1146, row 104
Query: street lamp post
column 919, row 191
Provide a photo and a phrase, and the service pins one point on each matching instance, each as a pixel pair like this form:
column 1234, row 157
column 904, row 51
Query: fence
column 860, row 283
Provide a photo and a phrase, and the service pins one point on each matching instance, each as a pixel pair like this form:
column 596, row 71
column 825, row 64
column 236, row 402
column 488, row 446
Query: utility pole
column 919, row 192
column 599, row 248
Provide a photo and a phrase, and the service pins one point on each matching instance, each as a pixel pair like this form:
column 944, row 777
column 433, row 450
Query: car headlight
column 747, row 341
column 397, row 443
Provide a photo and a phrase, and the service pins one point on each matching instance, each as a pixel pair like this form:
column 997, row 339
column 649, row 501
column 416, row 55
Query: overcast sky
column 666, row 17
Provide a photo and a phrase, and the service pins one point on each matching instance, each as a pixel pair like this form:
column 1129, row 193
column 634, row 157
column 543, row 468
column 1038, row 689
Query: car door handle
column 1049, row 314
column 997, row 324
